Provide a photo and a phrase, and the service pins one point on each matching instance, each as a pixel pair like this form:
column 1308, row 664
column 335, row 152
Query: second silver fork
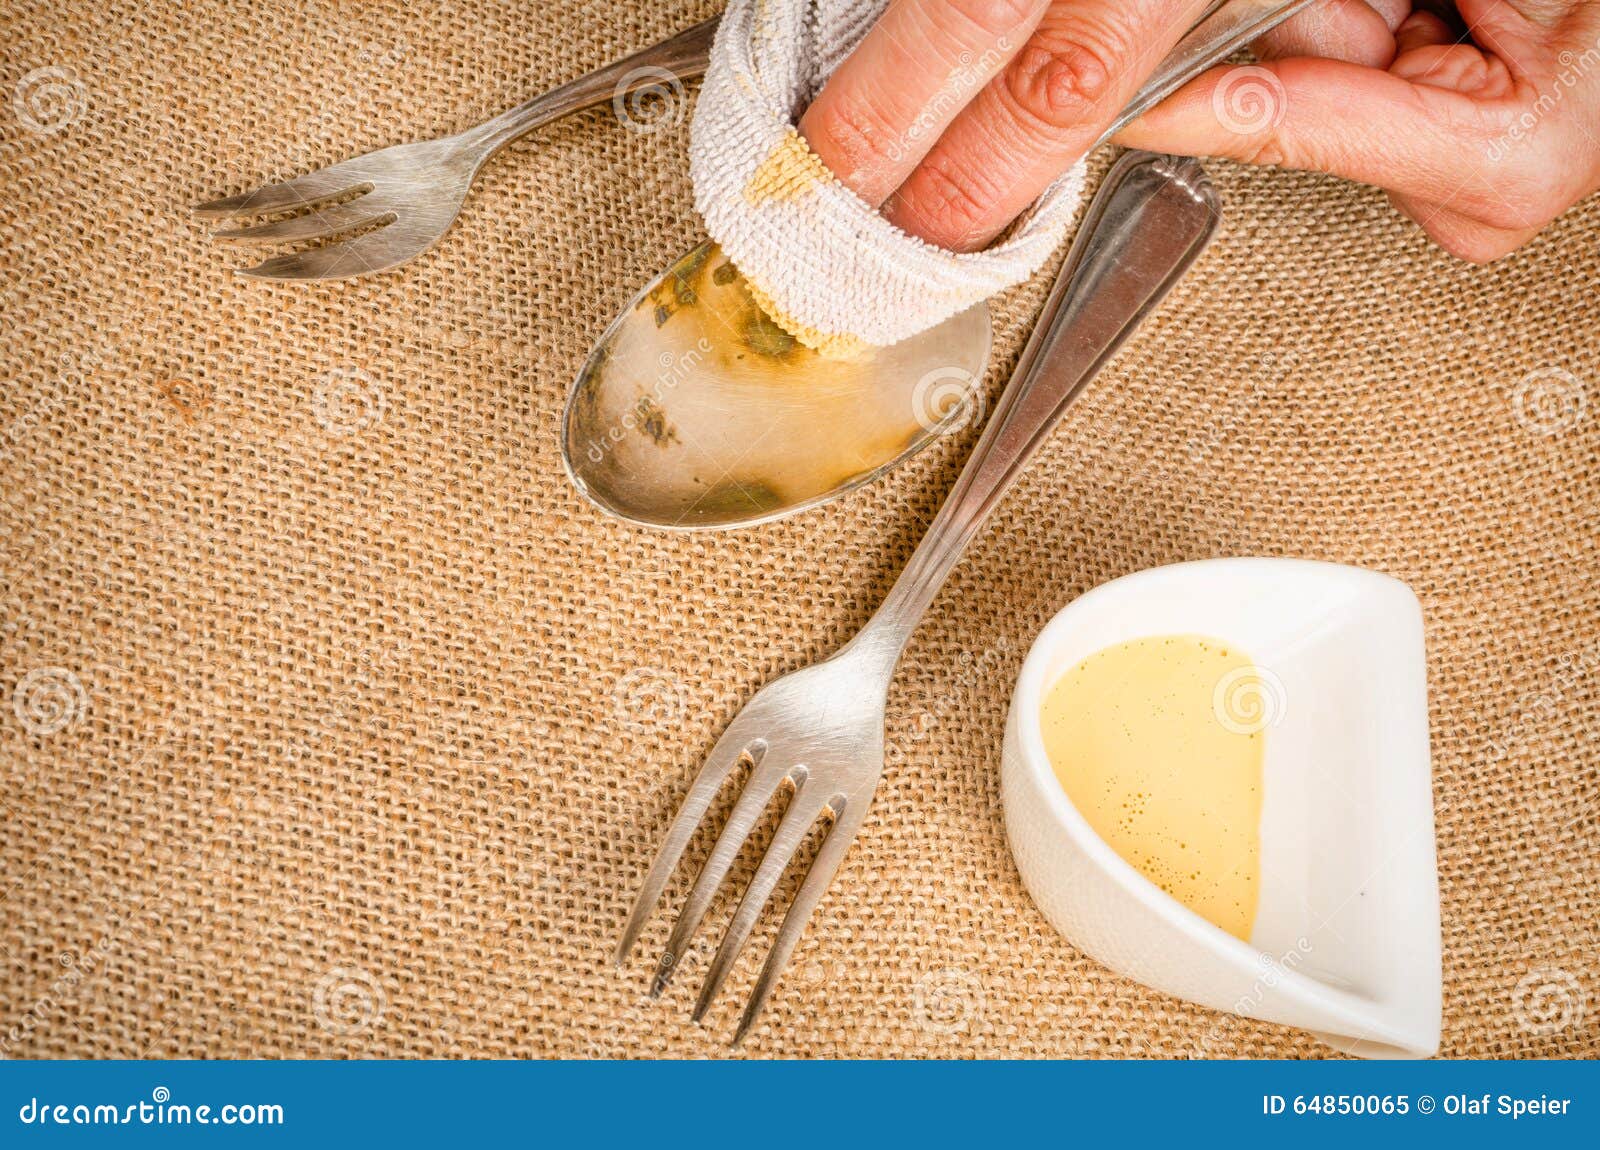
column 819, row 732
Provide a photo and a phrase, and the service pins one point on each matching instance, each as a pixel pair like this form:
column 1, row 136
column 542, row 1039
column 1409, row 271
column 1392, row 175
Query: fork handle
column 681, row 57
column 1151, row 219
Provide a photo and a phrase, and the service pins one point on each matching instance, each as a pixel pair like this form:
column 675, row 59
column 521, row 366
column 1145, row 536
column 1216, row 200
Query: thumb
column 1324, row 115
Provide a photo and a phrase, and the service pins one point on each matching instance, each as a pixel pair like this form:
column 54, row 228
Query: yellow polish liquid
column 1139, row 737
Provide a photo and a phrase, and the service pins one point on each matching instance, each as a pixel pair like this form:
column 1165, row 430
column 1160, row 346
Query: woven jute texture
column 334, row 723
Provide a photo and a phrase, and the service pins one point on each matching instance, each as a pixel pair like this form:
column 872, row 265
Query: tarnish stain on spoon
column 755, row 330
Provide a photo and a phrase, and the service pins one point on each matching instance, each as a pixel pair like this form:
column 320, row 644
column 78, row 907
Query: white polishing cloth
column 822, row 261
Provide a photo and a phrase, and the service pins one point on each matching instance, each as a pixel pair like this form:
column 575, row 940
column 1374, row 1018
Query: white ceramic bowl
column 1346, row 938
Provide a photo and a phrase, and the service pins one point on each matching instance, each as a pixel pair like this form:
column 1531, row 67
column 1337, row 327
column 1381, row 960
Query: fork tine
column 818, row 876
column 724, row 757
column 372, row 252
column 300, row 192
column 797, row 823
column 313, row 226
column 747, row 812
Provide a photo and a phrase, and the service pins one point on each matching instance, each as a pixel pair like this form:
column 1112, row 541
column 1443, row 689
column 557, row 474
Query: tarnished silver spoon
column 696, row 410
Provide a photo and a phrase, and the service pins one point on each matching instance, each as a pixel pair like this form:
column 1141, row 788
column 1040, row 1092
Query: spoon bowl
column 696, row 410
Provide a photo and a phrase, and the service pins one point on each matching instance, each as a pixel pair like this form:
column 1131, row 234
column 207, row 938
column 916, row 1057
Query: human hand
column 1480, row 118
column 954, row 115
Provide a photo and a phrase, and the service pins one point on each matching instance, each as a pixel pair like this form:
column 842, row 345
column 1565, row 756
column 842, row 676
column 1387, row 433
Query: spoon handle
column 1152, row 217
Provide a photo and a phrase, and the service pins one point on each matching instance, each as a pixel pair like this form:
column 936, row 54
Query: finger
column 1359, row 31
column 1034, row 120
column 1422, row 30
column 883, row 108
column 1431, row 53
column 1460, row 235
column 1328, row 116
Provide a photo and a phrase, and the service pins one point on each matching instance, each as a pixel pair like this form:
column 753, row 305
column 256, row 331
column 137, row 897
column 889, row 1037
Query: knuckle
column 1063, row 78
column 1267, row 150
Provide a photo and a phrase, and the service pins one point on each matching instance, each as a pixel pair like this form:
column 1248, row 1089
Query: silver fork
column 817, row 733
column 402, row 199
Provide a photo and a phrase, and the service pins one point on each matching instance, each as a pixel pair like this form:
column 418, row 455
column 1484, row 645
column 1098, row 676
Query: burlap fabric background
column 335, row 723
